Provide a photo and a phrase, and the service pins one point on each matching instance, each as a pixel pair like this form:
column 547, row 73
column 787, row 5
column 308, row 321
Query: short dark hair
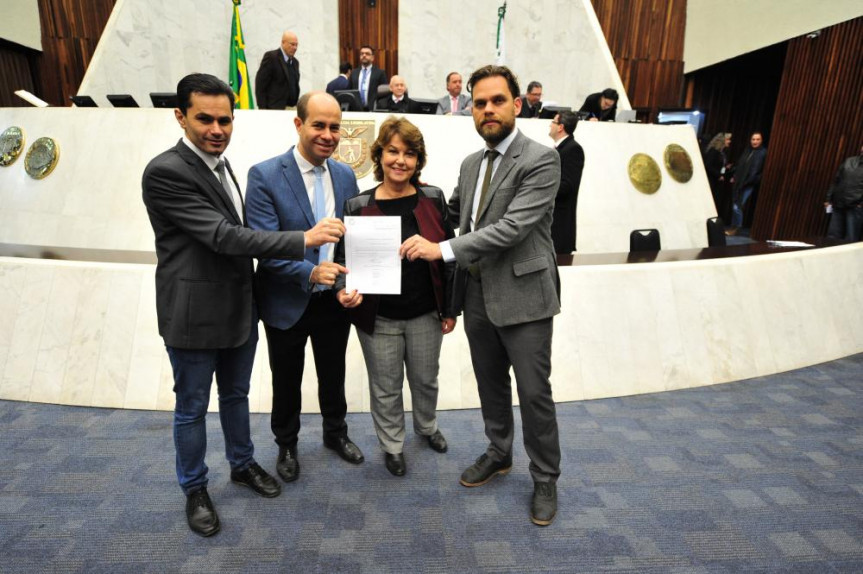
column 369, row 46
column 611, row 94
column 412, row 137
column 568, row 120
column 532, row 85
column 450, row 75
column 491, row 71
column 201, row 84
column 303, row 103
column 345, row 67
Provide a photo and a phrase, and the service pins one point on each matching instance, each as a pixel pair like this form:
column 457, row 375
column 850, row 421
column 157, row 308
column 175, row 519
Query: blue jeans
column 193, row 377
column 846, row 223
column 741, row 199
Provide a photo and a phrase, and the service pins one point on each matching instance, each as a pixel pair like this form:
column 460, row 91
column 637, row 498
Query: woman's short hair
column 410, row 135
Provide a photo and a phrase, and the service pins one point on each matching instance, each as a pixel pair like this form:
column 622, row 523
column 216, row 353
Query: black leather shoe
column 543, row 507
column 258, row 480
column 395, row 463
column 345, row 449
column 484, row 469
column 287, row 464
column 437, row 441
column 200, row 513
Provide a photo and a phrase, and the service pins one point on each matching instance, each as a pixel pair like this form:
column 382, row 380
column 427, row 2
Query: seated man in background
column 342, row 81
column 455, row 102
column 398, row 101
column 531, row 102
column 601, row 106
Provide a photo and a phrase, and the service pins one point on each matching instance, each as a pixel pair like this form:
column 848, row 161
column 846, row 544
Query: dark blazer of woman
column 431, row 216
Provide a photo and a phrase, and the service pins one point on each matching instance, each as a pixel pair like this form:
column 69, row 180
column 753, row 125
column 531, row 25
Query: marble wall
column 92, row 199
column 86, row 333
column 148, row 45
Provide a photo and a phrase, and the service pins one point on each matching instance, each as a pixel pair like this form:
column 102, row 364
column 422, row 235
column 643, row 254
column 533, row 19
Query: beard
column 493, row 134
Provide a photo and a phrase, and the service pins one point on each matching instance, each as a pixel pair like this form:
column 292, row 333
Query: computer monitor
column 83, row 101
column 122, row 101
column 349, row 100
column 164, row 100
column 421, row 106
column 548, row 112
column 673, row 116
column 625, row 116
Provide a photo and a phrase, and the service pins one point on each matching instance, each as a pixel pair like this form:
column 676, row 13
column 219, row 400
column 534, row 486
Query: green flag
column 238, row 72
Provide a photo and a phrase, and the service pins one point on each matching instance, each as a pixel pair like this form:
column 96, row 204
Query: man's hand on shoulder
column 327, row 230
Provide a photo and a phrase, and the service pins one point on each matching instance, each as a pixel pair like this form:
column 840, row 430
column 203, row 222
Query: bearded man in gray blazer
column 503, row 207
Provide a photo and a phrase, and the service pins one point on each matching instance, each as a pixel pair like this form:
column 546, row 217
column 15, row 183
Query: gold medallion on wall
column 355, row 145
column 11, row 144
column 644, row 173
column 42, row 158
column 678, row 163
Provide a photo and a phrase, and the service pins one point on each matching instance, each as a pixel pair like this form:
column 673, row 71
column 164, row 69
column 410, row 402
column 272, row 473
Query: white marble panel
column 543, row 37
column 12, row 285
column 142, row 387
column 115, row 353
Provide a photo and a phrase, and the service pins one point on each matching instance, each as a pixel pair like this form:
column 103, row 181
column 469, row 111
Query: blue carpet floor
column 764, row 475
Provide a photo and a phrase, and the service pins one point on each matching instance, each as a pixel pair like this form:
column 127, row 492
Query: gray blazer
column 512, row 241
column 464, row 104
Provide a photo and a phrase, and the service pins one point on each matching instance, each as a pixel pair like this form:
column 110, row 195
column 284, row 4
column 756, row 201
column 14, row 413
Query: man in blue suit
column 342, row 81
column 295, row 298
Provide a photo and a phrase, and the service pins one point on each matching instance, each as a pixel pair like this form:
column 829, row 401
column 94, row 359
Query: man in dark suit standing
column 397, row 101
column 531, row 102
column 204, row 302
column 343, row 81
column 291, row 192
column 277, row 83
column 571, row 165
column 367, row 78
column 503, row 204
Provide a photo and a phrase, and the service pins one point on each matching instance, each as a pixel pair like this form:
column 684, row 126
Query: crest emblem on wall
column 354, row 149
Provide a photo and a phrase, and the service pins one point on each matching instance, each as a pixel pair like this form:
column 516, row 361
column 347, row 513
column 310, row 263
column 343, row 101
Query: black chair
column 349, row 100
column 122, row 101
column 164, row 100
column 644, row 240
column 83, row 101
column 715, row 232
column 384, row 91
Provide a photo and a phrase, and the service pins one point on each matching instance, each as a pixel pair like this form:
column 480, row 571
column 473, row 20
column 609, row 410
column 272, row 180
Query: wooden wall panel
column 817, row 124
column 646, row 41
column 70, row 32
column 378, row 26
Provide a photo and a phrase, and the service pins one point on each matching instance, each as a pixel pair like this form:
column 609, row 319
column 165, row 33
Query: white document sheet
column 372, row 254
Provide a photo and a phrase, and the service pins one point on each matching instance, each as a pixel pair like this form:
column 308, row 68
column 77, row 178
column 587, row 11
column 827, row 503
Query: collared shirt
column 560, row 141
column 308, row 173
column 501, row 148
column 212, row 162
column 453, row 104
column 285, row 56
column 397, row 100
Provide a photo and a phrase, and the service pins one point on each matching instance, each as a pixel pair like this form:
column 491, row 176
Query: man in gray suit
column 455, row 102
column 503, row 205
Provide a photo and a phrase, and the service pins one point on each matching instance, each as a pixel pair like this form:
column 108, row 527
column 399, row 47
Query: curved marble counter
column 85, row 332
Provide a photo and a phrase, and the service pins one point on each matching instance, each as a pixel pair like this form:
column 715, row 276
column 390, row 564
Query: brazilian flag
column 238, row 71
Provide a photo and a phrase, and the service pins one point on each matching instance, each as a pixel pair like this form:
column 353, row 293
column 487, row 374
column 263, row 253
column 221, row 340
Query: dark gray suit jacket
column 277, row 85
column 204, row 294
column 512, row 240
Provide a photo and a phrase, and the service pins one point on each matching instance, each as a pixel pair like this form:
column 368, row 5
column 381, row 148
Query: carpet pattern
column 764, row 475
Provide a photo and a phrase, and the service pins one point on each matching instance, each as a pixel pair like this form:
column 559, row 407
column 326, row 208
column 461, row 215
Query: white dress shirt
column 212, row 162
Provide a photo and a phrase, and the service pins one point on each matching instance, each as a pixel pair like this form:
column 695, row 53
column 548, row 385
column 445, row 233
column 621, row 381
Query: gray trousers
column 396, row 344
column 527, row 348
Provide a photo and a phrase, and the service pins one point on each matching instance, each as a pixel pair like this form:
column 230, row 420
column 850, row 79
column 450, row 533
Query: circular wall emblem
column 41, row 158
column 678, row 163
column 644, row 173
column 11, row 144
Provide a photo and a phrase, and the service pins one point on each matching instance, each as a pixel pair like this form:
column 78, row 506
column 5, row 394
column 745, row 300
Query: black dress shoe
column 200, row 513
column 395, row 463
column 484, row 469
column 345, row 449
column 258, row 480
column 543, row 507
column 287, row 464
column 437, row 441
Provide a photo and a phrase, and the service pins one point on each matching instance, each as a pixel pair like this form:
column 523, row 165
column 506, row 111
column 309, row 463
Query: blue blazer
column 276, row 199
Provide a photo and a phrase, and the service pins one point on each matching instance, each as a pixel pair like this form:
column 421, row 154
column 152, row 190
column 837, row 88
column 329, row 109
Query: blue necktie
column 321, row 209
column 363, row 85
